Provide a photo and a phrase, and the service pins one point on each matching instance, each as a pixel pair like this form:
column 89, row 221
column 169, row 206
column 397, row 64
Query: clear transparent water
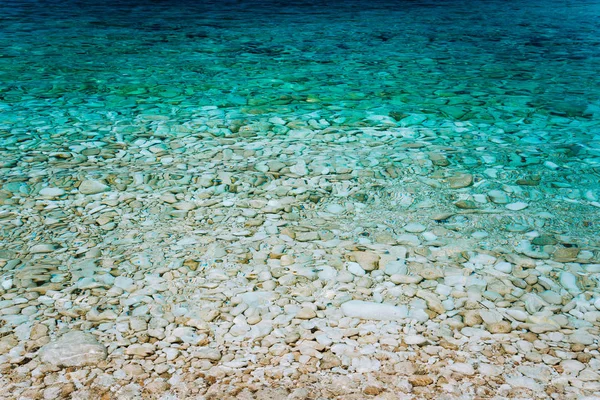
column 500, row 62
column 519, row 80
column 372, row 108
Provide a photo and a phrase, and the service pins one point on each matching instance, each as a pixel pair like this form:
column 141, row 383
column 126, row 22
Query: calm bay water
column 213, row 185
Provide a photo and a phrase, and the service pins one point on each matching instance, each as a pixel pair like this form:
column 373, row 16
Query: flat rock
column 415, row 340
column 572, row 367
column 462, row 368
column 368, row 260
column 544, row 240
column 373, row 311
column 306, row 313
column 92, row 187
column 466, row 204
column 396, row 267
column 207, row 353
column 503, row 267
column 565, row 254
column 489, row 370
column 408, row 239
column 414, row 227
column 582, row 337
column 125, row 283
column 420, row 380
column 523, row 381
column 569, row 282
column 541, row 373
column 519, row 205
column 42, row 248
column 405, row 279
column 355, row 269
column 51, row 192
column 73, row 349
column 261, row 298
column 498, row 197
column 460, row 181
column 335, row 208
column 307, row 236
column 533, row 303
column 140, row 350
column 499, row 327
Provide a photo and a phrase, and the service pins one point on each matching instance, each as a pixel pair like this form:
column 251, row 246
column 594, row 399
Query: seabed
column 368, row 200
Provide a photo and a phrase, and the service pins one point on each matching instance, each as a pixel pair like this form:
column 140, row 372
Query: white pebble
column 52, row 192
column 356, row 269
column 374, row 311
column 519, row 205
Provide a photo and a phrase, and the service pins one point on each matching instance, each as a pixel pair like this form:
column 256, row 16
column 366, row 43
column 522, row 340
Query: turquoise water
column 521, row 65
column 514, row 82
column 154, row 139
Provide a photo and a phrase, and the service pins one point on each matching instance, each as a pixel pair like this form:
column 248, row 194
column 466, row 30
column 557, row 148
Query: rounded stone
column 73, row 349
column 92, row 187
column 414, row 228
column 51, row 192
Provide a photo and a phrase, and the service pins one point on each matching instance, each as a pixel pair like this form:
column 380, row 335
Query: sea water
column 166, row 162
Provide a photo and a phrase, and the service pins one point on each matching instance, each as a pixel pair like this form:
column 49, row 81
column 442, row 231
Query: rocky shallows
column 270, row 268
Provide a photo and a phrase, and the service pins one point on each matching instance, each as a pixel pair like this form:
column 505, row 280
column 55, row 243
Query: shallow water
column 488, row 83
column 216, row 132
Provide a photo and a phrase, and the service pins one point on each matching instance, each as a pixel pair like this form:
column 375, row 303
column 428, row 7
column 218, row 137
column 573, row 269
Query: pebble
column 420, row 380
column 140, row 350
column 42, row 248
column 207, row 353
column 215, row 248
column 572, row 367
column 299, row 168
column 355, row 269
column 73, row 349
column 489, row 370
column 125, row 283
column 52, row 192
column 460, row 181
column 462, row 368
column 499, row 327
column 92, row 187
column 517, row 206
column 306, row 313
column 373, row 311
column 498, row 197
column 414, row 228
column 523, row 382
column 396, row 268
column 367, row 260
column 335, row 208
column 414, row 340
column 503, row 267
column 582, row 337
column 569, row 282
column 405, row 279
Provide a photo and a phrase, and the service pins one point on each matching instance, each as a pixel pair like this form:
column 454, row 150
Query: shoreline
column 230, row 275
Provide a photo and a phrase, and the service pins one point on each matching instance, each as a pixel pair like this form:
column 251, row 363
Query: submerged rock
column 92, row 187
column 73, row 349
column 375, row 311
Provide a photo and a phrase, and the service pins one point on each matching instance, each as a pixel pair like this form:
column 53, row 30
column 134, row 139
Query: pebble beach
column 227, row 201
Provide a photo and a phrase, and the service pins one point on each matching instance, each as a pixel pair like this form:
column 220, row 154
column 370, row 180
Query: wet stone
column 209, row 208
column 498, row 197
column 460, row 181
column 92, row 187
column 544, row 240
column 466, row 204
column 73, row 349
column 52, row 192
